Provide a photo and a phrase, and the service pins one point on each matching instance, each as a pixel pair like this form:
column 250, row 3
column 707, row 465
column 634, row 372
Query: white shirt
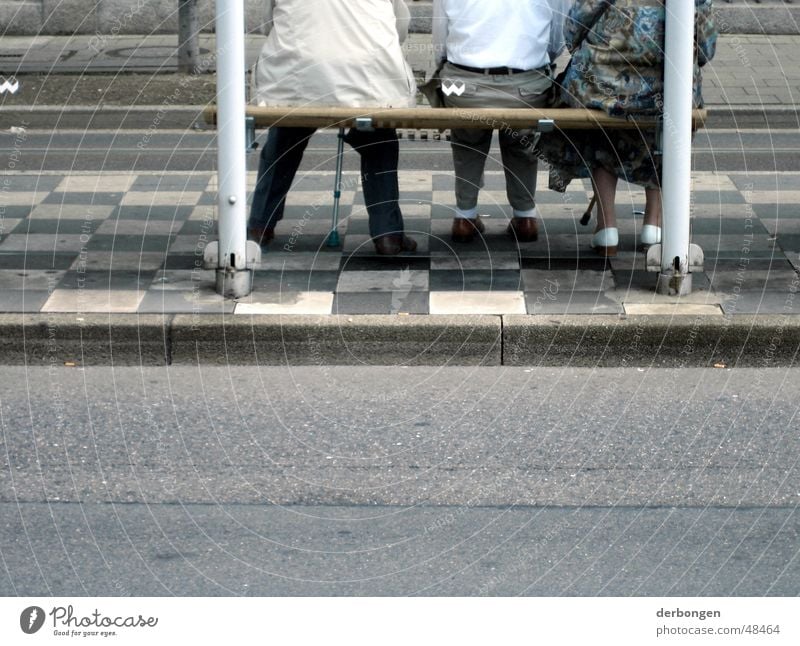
column 523, row 34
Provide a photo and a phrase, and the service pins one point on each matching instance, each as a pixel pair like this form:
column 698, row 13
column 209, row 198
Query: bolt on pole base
column 234, row 283
column 674, row 284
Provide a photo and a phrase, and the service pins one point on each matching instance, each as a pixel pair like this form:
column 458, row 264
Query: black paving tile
column 449, row 280
column 37, row 260
column 22, row 300
column 58, row 226
column 295, row 281
column 381, row 303
column 134, row 242
column 103, row 199
column 117, row 280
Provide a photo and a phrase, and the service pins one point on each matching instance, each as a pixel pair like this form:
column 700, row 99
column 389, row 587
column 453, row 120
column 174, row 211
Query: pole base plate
column 234, row 283
column 674, row 284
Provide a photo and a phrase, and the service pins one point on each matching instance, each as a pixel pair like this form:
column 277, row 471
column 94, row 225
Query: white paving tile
column 139, row 227
column 71, row 212
column 772, row 197
column 477, row 302
column 160, row 198
column 93, row 300
column 105, row 183
column 286, row 303
column 671, row 309
column 22, row 198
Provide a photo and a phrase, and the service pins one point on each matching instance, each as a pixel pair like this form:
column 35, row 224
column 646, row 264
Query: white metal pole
column 677, row 146
column 231, row 149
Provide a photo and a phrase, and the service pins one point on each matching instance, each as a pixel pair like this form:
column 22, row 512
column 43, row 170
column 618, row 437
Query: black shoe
column 261, row 235
column 391, row 245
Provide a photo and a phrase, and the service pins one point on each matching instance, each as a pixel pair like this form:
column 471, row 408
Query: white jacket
column 335, row 53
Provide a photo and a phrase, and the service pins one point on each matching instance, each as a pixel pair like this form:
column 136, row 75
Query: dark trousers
column 281, row 156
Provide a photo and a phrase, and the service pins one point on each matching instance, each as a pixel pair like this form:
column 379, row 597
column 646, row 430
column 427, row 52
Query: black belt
column 494, row 71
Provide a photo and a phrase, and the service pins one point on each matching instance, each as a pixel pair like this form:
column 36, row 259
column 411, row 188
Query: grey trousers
column 471, row 147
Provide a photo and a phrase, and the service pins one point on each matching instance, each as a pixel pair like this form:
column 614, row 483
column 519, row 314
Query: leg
column 651, row 228
column 652, row 209
column 606, row 237
column 278, row 164
column 470, row 150
column 379, row 151
column 520, row 165
column 605, row 187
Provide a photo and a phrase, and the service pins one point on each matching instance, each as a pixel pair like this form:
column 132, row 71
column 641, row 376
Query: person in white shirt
column 334, row 53
column 496, row 53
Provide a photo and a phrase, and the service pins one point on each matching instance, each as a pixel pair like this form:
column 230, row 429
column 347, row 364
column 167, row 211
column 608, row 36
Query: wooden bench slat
column 440, row 118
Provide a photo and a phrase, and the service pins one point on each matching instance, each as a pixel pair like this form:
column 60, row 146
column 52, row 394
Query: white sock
column 531, row 213
column 467, row 214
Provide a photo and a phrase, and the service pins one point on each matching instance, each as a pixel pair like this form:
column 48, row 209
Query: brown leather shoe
column 261, row 235
column 524, row 229
column 391, row 245
column 465, row 229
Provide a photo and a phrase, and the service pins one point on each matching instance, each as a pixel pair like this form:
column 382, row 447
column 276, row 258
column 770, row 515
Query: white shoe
column 606, row 241
column 650, row 235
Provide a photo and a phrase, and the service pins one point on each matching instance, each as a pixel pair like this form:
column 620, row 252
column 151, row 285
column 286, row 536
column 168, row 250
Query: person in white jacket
column 334, row 53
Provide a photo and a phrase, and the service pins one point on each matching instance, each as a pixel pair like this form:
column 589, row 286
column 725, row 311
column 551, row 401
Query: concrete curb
column 183, row 117
column 513, row 340
column 337, row 340
column 84, row 339
column 661, row 341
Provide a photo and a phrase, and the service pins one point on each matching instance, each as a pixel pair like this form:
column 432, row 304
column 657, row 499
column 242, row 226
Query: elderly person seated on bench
column 617, row 66
column 334, row 53
column 496, row 54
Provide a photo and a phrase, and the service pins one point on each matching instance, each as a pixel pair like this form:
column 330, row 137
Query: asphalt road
column 321, row 480
column 170, row 150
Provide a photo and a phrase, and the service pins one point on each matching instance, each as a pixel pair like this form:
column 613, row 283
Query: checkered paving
column 134, row 242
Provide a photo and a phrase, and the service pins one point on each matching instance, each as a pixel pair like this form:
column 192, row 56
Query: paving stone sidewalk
column 134, row 242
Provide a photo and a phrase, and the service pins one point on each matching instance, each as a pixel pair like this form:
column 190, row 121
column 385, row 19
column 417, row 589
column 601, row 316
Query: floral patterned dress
column 617, row 66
